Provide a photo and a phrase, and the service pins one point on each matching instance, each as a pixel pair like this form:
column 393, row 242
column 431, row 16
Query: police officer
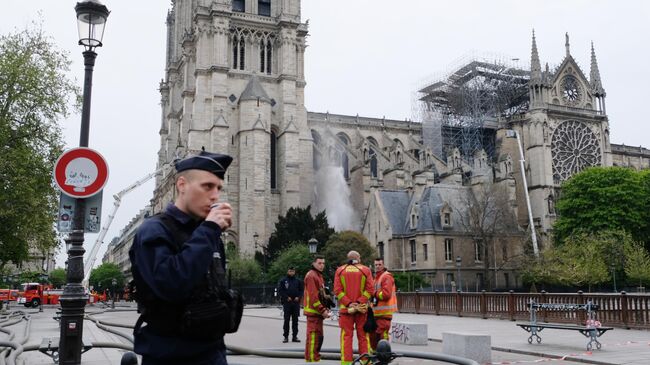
column 290, row 289
column 175, row 256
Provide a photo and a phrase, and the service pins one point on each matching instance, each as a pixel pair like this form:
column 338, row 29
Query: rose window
column 574, row 147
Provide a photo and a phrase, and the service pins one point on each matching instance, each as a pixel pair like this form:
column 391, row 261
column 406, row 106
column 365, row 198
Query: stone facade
column 235, row 83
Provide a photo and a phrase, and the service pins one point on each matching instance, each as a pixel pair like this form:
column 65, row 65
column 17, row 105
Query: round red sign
column 81, row 172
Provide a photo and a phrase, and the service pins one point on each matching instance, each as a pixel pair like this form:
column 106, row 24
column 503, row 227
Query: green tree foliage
column 32, row 277
column 587, row 259
column 102, row 277
column 297, row 254
column 244, row 270
column 409, row 281
column 298, row 225
column 340, row 243
column 58, row 277
column 605, row 198
column 637, row 266
column 35, row 93
column 582, row 262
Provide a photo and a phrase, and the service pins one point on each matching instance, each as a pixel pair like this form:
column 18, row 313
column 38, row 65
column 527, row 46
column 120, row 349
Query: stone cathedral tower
column 565, row 131
column 235, row 84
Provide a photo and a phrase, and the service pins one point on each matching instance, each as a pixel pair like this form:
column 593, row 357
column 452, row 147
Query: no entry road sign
column 81, row 172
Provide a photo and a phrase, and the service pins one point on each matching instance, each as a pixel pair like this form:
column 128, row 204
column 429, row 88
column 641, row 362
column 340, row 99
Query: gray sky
column 364, row 56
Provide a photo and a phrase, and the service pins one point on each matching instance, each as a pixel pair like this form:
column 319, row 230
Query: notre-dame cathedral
column 235, row 84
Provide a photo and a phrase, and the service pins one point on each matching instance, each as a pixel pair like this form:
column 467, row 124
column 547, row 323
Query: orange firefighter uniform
column 314, row 310
column 353, row 287
column 386, row 305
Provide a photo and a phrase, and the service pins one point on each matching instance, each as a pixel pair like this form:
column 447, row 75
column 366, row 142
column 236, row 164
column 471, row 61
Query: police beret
column 215, row 163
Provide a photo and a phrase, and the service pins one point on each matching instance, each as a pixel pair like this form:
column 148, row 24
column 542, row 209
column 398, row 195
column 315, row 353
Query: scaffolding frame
column 460, row 108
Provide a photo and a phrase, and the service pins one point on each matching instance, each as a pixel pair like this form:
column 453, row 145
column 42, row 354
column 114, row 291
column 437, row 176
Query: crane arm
column 90, row 261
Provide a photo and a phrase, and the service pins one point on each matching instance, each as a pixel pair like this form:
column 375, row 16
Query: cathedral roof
column 254, row 91
column 396, row 206
column 434, row 199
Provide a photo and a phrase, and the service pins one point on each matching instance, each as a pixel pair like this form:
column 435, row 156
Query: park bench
column 591, row 330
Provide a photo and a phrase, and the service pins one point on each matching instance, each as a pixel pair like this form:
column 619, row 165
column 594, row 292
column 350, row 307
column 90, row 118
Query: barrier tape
column 540, row 360
column 586, row 353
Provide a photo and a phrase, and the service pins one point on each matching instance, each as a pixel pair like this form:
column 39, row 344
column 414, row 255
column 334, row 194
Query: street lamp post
column 255, row 240
column 458, row 263
column 113, row 285
column 91, row 19
column 613, row 267
column 510, row 134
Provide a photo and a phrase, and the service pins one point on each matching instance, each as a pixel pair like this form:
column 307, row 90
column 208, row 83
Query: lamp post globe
column 313, row 245
column 91, row 20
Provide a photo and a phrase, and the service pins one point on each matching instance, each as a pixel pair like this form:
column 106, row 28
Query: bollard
column 129, row 358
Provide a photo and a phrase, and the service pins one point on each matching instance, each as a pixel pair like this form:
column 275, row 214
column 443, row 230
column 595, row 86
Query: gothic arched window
column 274, row 160
column 238, row 52
column 264, row 7
column 345, row 163
column 372, row 154
column 269, row 56
column 239, row 5
column 242, row 53
column 316, row 157
column 266, row 56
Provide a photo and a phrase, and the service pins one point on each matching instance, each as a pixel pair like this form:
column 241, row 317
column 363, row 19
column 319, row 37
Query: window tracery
column 574, row 147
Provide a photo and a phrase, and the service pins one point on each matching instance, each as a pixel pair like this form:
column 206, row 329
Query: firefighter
column 353, row 286
column 315, row 309
column 385, row 302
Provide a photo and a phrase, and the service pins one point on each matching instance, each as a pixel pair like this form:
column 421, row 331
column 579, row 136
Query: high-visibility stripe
column 384, row 307
column 341, row 295
column 311, row 310
column 312, row 347
column 343, row 362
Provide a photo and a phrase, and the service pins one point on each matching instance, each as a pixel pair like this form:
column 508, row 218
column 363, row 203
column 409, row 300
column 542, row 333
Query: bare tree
column 485, row 214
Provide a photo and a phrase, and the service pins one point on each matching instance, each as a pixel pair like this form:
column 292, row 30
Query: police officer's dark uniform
column 290, row 287
column 176, row 261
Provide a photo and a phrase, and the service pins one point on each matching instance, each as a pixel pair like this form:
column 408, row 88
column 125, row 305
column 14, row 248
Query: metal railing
column 617, row 310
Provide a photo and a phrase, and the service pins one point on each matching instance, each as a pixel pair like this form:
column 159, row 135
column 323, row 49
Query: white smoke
column 332, row 193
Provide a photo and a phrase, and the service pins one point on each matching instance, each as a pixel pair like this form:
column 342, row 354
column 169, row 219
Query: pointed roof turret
column 535, row 66
column 547, row 75
column 594, row 74
column 254, row 91
column 566, row 44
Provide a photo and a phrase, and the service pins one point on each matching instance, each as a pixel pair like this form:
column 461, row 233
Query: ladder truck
column 90, row 261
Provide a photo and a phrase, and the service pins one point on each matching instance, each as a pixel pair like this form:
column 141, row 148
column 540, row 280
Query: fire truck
column 36, row 294
column 32, row 294
column 9, row 295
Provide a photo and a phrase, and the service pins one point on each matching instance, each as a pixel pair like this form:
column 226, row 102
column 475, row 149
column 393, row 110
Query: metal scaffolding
column 460, row 108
